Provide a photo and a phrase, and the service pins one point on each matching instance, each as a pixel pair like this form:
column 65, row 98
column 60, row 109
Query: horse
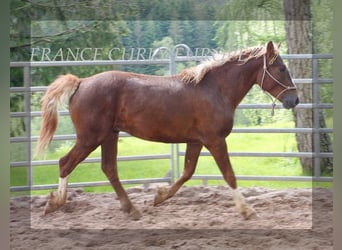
column 195, row 107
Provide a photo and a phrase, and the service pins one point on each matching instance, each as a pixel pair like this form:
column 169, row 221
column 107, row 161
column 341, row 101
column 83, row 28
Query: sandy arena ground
column 195, row 218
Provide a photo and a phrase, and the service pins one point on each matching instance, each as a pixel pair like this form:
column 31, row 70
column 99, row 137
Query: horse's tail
column 57, row 94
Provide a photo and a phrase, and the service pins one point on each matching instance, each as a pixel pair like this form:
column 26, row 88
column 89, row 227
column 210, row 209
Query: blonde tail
column 57, row 94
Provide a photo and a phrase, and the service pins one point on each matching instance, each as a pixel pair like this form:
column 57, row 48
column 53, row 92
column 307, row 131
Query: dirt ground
column 195, row 218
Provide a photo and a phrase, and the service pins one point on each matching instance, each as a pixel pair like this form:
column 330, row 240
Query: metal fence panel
column 175, row 153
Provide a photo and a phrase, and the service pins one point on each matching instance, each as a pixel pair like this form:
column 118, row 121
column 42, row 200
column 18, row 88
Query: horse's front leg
column 220, row 153
column 109, row 167
column 192, row 153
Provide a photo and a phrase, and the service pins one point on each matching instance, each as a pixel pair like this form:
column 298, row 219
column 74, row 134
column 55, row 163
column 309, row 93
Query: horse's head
column 274, row 78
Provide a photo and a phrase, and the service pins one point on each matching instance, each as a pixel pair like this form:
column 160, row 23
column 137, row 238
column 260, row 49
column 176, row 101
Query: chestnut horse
column 195, row 107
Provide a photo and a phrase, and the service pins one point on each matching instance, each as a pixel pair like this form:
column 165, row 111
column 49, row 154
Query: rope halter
column 286, row 88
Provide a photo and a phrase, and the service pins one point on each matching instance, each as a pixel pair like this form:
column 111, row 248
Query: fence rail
column 175, row 153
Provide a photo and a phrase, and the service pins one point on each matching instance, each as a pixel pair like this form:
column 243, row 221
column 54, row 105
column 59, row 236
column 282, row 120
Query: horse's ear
column 279, row 44
column 270, row 51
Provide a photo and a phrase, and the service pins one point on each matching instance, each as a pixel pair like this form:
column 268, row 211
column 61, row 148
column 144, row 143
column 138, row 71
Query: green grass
column 258, row 166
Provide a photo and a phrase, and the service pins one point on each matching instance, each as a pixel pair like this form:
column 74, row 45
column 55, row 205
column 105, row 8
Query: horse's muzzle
column 290, row 101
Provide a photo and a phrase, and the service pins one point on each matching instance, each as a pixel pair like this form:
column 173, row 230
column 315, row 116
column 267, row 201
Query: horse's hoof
column 157, row 200
column 161, row 195
column 135, row 214
column 249, row 213
column 52, row 204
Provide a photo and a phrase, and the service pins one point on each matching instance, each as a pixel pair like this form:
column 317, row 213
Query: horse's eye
column 282, row 69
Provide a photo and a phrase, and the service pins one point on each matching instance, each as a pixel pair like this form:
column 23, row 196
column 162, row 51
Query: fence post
column 316, row 111
column 175, row 147
column 27, row 97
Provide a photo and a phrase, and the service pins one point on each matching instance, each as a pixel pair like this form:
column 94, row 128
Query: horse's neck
column 239, row 80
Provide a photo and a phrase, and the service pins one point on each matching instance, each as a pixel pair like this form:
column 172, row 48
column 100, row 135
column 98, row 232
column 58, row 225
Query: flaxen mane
column 195, row 74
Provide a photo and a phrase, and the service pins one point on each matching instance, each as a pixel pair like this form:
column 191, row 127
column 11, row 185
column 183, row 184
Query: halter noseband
column 286, row 88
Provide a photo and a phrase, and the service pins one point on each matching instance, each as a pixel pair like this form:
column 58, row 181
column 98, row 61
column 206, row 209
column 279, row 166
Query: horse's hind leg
column 109, row 167
column 66, row 165
column 192, row 153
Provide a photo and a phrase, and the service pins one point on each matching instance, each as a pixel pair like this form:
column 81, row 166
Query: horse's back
column 115, row 91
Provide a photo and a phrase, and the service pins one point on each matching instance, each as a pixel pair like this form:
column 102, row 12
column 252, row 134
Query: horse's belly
column 167, row 138
column 166, row 131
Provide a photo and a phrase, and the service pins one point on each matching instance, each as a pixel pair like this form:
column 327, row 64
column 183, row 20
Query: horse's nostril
column 297, row 100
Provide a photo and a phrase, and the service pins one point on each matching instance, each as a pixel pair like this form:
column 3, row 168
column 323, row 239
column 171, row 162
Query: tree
column 298, row 27
column 298, row 35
